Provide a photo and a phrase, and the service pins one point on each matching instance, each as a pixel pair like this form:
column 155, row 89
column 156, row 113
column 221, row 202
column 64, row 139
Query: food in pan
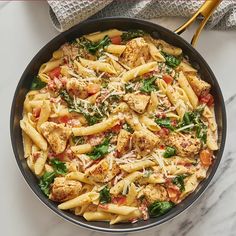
column 118, row 126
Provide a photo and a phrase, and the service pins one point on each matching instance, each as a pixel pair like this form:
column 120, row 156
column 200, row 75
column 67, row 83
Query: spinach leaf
column 148, row 85
column 171, row 60
column 100, row 150
column 166, row 123
column 169, row 152
column 37, row 84
column 129, row 87
column 94, row 47
column 91, row 115
column 179, row 181
column 194, row 118
column 78, row 140
column 104, row 195
column 94, row 119
column 58, row 166
column 159, row 208
column 132, row 34
column 128, row 128
column 67, row 98
column 47, row 179
column 45, row 182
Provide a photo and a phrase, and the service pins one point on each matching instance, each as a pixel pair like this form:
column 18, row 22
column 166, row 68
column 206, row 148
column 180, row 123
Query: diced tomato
column 119, row 200
column 93, row 88
column 174, row 122
column 63, row 119
column 206, row 157
column 36, row 112
column 116, row 128
column 173, row 194
column 55, row 72
column 161, row 115
column 207, row 99
column 163, row 132
column 168, row 79
column 162, row 146
column 103, row 206
column 116, row 40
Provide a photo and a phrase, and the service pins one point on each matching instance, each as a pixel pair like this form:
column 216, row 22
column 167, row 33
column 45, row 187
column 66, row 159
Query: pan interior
column 44, row 55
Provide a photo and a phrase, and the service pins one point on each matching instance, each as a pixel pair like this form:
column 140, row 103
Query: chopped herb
column 169, row 152
column 148, row 85
column 58, row 166
column 45, row 182
column 104, row 195
column 171, row 60
column 159, row 208
column 94, row 47
column 128, row 128
column 179, row 182
column 100, row 150
column 166, row 123
column 37, row 84
column 78, row 140
column 132, row 34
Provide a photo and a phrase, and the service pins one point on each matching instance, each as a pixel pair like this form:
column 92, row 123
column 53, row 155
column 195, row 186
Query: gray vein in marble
column 230, row 100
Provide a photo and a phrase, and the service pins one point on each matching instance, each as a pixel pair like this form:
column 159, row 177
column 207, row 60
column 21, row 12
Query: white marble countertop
column 24, row 28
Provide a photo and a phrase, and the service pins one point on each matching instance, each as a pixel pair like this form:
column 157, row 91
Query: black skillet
column 87, row 27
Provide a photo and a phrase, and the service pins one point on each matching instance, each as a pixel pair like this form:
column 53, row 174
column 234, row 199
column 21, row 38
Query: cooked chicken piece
column 63, row 189
column 137, row 102
column 104, row 171
column 154, row 192
column 144, row 141
column 74, row 87
column 123, row 141
column 200, row 87
column 164, row 46
column 135, row 53
column 56, row 135
column 185, row 145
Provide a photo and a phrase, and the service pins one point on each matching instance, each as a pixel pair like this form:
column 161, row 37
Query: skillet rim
column 175, row 211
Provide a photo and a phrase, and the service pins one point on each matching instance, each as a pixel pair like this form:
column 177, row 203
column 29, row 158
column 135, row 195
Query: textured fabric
column 65, row 14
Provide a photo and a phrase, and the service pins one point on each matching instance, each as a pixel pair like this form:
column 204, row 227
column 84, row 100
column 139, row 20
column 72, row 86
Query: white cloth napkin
column 67, row 13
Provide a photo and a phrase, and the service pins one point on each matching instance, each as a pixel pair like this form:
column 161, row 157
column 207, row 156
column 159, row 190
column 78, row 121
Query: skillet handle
column 205, row 11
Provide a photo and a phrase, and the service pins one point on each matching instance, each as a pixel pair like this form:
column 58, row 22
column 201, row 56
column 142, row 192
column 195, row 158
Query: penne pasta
column 79, row 176
column 79, row 201
column 97, row 128
column 115, row 49
column 184, row 84
column 100, row 35
column 97, row 216
column 138, row 165
column 138, row 71
column 46, row 67
column 36, row 137
column 116, row 189
column 83, row 148
column 115, row 209
column 98, row 66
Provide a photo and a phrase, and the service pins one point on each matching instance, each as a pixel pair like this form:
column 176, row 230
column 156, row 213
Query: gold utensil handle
column 205, row 11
